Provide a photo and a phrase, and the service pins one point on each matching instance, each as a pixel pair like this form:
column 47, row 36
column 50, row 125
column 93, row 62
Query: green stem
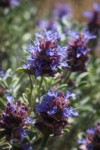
column 31, row 87
column 44, row 142
column 67, row 77
column 40, row 85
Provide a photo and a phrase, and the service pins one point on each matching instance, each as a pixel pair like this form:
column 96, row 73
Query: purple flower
column 46, row 55
column 50, row 24
column 93, row 19
column 69, row 112
column 9, row 3
column 62, row 10
column 53, row 112
column 77, row 51
column 14, row 2
column 92, row 140
column 1, row 73
column 91, row 131
column 14, row 120
column 9, row 98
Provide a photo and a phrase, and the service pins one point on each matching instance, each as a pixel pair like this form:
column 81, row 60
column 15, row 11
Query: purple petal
column 9, row 98
column 69, row 112
column 68, row 94
column 81, row 141
column 91, row 131
column 52, row 111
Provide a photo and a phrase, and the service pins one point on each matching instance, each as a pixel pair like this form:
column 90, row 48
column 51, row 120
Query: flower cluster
column 53, row 112
column 77, row 51
column 13, row 120
column 93, row 19
column 46, row 56
column 62, row 10
column 92, row 140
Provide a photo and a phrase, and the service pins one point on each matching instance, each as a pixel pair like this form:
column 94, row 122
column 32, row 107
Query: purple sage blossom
column 92, row 140
column 46, row 55
column 50, row 24
column 78, row 51
column 13, row 120
column 62, row 10
column 53, row 112
column 93, row 17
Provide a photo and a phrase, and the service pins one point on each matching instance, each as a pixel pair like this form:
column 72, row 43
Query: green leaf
column 62, row 87
column 20, row 69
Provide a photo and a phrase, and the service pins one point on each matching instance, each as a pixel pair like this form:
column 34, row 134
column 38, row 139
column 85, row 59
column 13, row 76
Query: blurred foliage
column 17, row 28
